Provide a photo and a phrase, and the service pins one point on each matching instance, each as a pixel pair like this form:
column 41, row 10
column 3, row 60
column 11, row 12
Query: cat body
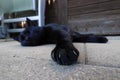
column 64, row 53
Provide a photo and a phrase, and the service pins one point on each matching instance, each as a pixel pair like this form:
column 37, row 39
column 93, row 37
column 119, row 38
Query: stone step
column 35, row 63
column 100, row 54
column 90, row 53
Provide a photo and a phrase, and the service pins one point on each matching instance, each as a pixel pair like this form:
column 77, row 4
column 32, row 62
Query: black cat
column 64, row 53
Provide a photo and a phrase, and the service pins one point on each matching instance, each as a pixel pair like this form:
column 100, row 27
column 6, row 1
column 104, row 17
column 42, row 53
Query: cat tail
column 90, row 38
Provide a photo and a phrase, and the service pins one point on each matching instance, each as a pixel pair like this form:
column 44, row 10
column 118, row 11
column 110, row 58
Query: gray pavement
column 104, row 54
column 96, row 62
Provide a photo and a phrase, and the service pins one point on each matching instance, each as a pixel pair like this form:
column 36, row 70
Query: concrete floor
column 96, row 62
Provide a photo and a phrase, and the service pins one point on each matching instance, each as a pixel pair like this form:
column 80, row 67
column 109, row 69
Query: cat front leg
column 66, row 54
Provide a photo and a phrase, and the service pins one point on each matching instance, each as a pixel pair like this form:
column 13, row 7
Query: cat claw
column 75, row 53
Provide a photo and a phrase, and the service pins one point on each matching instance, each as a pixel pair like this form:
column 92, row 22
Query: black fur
column 64, row 53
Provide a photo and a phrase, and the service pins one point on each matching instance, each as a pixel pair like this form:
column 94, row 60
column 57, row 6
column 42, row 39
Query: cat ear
column 29, row 22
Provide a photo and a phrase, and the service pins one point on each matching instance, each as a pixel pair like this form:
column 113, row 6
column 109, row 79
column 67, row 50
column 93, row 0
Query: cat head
column 31, row 35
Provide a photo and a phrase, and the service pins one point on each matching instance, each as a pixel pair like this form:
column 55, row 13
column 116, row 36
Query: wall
column 56, row 12
column 50, row 13
column 94, row 16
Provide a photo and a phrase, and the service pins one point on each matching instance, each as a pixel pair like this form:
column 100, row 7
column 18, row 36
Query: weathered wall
column 50, row 13
column 57, row 12
column 94, row 16
column 86, row 16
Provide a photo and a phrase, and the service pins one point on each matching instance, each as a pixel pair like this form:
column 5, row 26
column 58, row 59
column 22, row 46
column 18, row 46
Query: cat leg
column 65, row 54
column 91, row 38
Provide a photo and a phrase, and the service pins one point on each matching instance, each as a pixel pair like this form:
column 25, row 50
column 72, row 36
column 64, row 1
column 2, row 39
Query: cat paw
column 65, row 56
